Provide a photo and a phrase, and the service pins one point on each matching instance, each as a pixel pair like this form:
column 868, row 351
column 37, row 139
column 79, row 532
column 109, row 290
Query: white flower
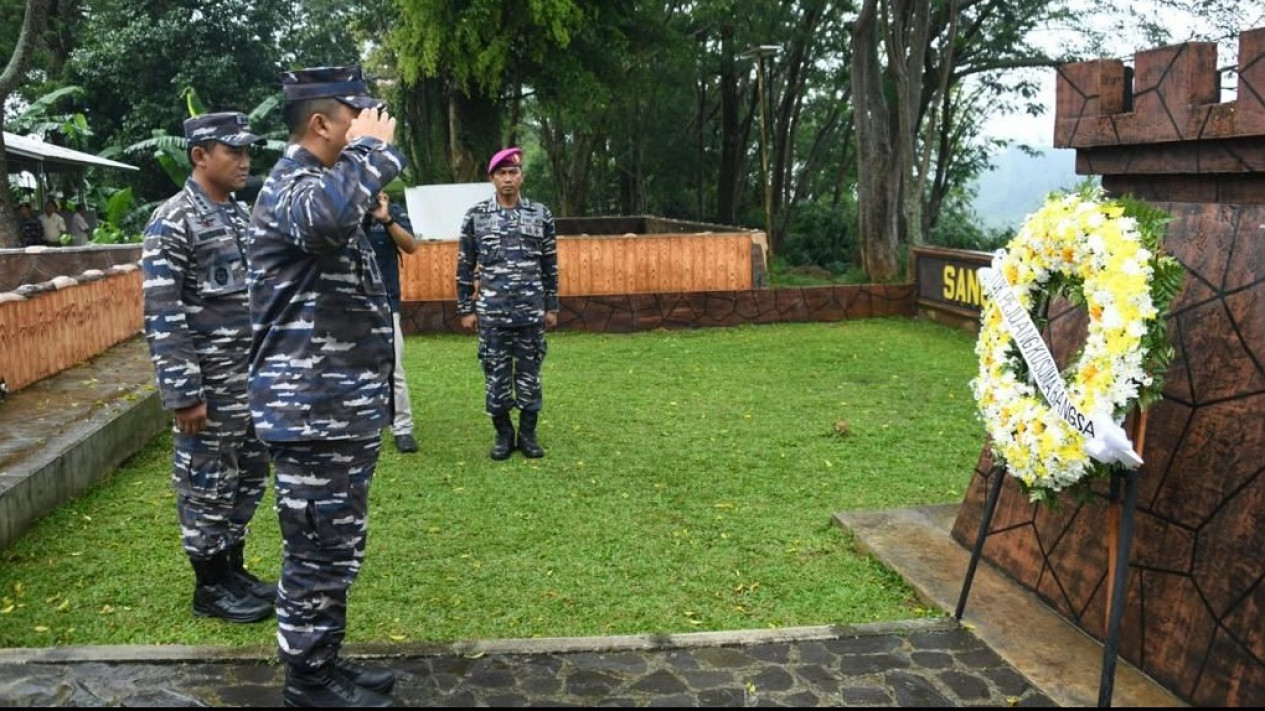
column 1033, row 440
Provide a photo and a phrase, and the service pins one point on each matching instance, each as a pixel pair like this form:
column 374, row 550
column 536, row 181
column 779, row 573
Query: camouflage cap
column 347, row 84
column 228, row 127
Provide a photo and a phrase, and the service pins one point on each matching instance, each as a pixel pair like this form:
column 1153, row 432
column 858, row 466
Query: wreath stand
column 1120, row 536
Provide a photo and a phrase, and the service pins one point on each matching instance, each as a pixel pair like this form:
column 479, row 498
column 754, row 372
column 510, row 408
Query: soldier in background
column 509, row 247
column 320, row 369
column 197, row 323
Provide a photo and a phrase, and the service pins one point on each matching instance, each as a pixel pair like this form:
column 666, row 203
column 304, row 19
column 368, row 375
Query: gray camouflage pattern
column 513, row 255
column 511, row 360
column 322, row 493
column 197, row 325
column 320, row 377
column 323, row 347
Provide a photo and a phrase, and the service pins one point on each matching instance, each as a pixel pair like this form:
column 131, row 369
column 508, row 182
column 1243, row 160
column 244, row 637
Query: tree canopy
column 873, row 109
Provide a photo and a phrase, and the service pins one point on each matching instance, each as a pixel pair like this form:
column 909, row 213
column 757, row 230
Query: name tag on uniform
column 533, row 226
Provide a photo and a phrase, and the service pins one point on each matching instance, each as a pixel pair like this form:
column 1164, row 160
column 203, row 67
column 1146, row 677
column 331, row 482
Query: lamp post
column 760, row 53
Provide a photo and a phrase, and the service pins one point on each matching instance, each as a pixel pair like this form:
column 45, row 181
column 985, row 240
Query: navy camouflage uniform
column 197, row 323
column 512, row 253
column 320, row 377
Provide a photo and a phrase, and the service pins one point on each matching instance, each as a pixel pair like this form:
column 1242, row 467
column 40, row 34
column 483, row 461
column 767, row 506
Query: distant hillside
column 1019, row 183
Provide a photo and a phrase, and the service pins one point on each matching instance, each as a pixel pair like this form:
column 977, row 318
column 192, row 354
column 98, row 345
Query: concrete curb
column 71, row 463
column 179, row 654
column 1058, row 658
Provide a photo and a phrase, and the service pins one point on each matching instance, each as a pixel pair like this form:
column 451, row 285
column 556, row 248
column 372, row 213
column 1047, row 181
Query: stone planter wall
column 1196, row 591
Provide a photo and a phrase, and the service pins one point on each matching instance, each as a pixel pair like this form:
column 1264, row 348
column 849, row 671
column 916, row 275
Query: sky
column 1038, row 131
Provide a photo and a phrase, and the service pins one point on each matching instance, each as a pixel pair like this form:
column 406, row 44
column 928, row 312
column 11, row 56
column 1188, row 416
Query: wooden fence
column 590, row 266
column 50, row 331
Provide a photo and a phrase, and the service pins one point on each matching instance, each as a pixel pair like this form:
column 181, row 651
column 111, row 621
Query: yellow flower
column 1093, row 240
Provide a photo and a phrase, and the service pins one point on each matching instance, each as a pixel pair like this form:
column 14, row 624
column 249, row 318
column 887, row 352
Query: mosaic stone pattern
column 645, row 312
column 1196, row 588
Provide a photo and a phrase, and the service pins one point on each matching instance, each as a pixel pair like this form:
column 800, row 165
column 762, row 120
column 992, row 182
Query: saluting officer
column 197, row 324
column 508, row 246
column 320, row 369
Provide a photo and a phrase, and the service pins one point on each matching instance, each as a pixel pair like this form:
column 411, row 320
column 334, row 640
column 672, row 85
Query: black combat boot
column 217, row 594
column 527, row 435
column 325, row 687
column 504, row 436
column 259, row 588
column 373, row 678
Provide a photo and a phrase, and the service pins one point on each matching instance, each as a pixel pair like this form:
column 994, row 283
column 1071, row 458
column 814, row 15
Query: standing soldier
column 509, row 247
column 320, row 368
column 197, row 323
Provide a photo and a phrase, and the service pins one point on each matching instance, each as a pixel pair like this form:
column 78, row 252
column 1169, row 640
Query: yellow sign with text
column 948, row 279
column 961, row 286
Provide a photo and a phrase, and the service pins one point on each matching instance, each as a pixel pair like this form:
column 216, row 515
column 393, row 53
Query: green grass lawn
column 689, row 485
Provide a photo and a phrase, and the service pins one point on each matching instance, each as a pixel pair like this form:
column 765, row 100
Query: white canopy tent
column 30, row 157
column 29, row 148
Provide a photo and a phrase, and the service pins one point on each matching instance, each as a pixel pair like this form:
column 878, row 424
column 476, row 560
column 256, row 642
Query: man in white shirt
column 54, row 224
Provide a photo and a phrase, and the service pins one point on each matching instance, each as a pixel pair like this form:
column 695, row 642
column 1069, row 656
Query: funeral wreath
column 1057, row 429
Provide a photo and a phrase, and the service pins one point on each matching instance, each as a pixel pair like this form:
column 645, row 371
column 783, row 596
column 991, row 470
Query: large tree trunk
column 422, row 118
column 906, row 55
column 474, row 134
column 32, row 25
column 878, row 228
column 449, row 135
column 890, row 203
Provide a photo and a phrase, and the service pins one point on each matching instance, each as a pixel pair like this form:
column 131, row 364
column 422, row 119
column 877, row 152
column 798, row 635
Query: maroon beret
column 512, row 156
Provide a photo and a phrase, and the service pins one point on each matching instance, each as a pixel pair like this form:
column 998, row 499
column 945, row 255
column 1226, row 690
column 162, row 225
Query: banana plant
column 170, row 151
column 42, row 119
column 118, row 207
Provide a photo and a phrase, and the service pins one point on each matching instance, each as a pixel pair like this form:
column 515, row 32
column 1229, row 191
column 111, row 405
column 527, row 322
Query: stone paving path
column 918, row 663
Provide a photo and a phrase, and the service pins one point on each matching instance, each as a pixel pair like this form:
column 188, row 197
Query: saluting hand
column 383, row 209
column 371, row 122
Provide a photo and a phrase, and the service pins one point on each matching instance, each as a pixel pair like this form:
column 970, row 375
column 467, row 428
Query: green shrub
column 823, row 236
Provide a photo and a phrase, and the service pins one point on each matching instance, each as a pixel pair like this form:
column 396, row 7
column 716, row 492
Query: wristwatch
column 390, row 221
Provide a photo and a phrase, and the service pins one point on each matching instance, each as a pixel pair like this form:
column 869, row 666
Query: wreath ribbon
column 1105, row 441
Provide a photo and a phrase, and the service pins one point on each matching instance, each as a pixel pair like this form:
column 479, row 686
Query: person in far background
column 79, row 226
column 53, row 224
column 32, row 231
column 391, row 235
